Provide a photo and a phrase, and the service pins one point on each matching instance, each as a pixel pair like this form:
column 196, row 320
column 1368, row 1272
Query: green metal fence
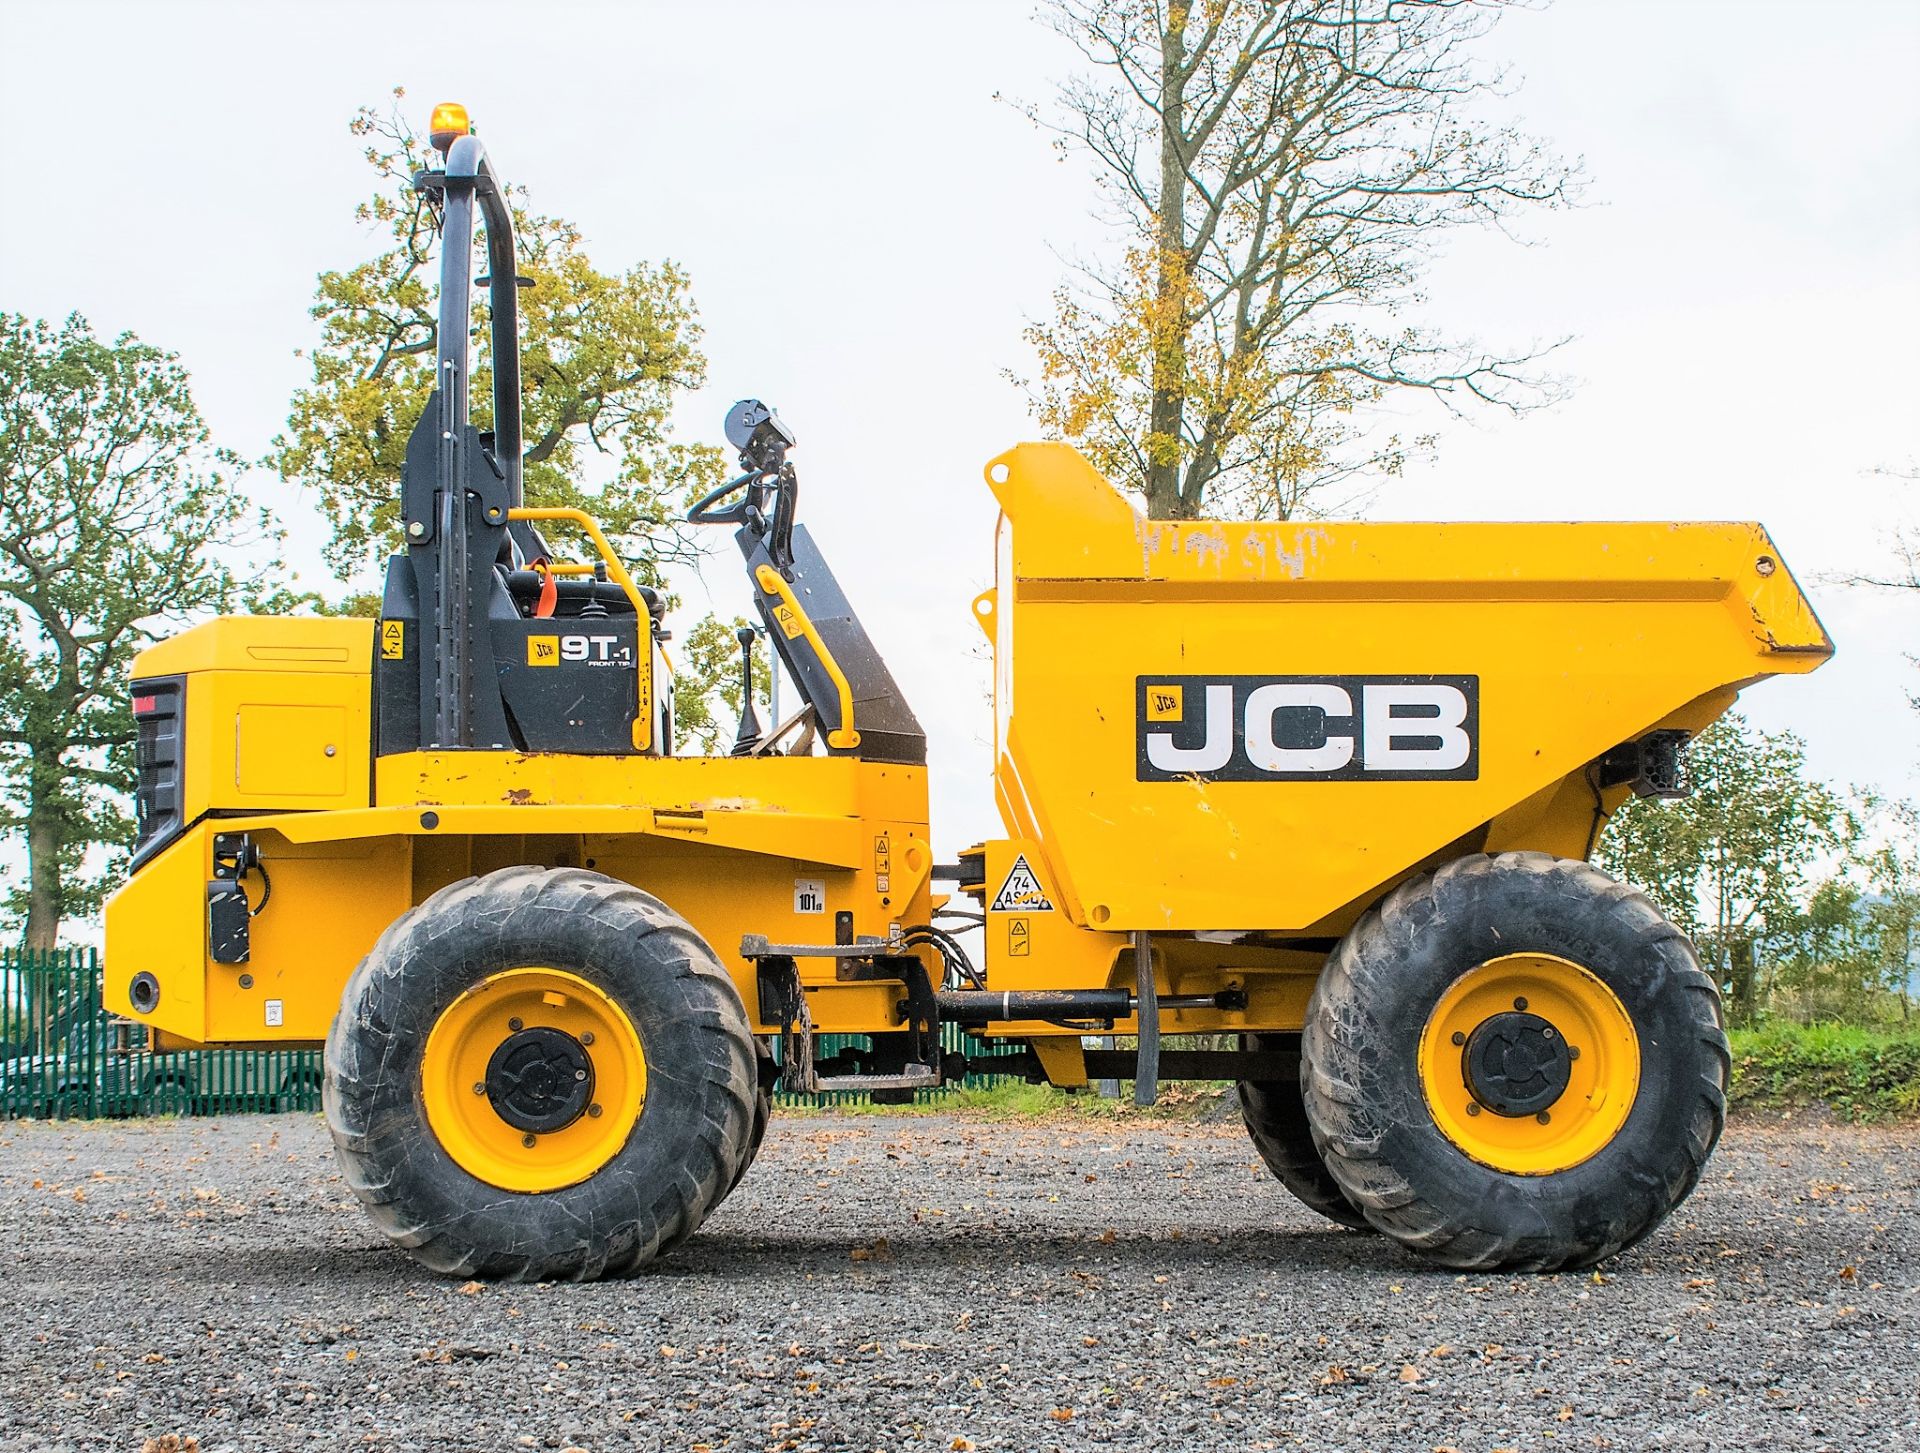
column 63, row 1056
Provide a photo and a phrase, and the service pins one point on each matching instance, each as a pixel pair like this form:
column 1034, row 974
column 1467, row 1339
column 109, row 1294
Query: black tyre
column 296, row 1095
column 1515, row 1061
column 540, row 1074
column 765, row 1073
column 167, row 1097
column 762, row 1113
column 1276, row 1118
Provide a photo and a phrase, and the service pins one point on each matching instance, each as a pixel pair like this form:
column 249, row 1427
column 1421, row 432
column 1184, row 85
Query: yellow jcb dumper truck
column 1323, row 791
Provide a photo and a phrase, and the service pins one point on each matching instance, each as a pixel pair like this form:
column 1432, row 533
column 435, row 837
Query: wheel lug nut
column 528, row 1141
column 1520, row 1003
column 1458, row 1037
column 1473, row 1109
column 587, row 1038
column 579, row 1074
column 478, row 1088
column 515, row 1025
column 1573, row 1051
column 594, row 1111
column 1547, row 1032
column 1543, row 1117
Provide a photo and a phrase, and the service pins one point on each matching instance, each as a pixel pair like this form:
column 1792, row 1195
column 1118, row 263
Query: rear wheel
column 1276, row 1118
column 1515, row 1061
column 167, row 1097
column 553, row 1035
column 297, row 1094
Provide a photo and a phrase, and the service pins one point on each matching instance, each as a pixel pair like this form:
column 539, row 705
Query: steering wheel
column 704, row 513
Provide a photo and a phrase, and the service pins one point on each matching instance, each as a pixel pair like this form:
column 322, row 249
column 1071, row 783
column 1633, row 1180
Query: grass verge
column 1861, row 1074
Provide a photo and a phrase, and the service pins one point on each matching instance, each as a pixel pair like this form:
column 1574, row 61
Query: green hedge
column 1863, row 1074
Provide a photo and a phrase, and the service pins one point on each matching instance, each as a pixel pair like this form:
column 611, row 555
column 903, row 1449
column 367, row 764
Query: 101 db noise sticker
column 1021, row 892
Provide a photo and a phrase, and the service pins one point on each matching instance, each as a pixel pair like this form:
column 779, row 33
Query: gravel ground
column 946, row 1283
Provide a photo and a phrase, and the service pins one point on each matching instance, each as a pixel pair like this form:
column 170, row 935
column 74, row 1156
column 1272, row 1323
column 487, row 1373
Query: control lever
column 748, row 738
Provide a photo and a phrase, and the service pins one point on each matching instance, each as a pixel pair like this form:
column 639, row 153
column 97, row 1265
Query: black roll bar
column 468, row 178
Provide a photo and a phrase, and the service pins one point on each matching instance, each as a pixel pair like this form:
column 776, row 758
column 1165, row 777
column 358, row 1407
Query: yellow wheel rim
column 1601, row 1063
column 503, row 1021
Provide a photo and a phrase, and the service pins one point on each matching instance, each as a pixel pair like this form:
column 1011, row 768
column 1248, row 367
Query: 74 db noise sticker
column 1021, row 892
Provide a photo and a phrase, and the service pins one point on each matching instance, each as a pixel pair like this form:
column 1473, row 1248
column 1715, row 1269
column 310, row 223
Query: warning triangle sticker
column 1021, row 893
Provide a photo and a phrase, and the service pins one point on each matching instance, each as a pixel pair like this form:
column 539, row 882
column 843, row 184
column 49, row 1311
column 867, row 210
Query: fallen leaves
column 1061, row 1415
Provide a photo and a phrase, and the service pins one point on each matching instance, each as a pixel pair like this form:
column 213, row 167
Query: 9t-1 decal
column 1295, row 728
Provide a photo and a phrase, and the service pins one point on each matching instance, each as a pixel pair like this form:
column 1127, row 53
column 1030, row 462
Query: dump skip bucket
column 1215, row 726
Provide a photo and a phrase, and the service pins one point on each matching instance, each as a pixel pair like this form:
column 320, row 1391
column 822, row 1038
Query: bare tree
column 1282, row 170
column 1903, row 572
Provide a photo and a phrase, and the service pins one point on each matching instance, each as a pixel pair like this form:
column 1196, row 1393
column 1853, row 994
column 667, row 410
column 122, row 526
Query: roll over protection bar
column 469, row 179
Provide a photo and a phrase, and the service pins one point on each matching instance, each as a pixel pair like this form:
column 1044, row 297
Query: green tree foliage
column 706, row 686
column 1732, row 863
column 1891, row 905
column 114, row 510
column 1825, row 959
column 1280, row 171
column 604, row 356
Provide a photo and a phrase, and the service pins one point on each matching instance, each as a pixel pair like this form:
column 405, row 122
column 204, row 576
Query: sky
column 868, row 228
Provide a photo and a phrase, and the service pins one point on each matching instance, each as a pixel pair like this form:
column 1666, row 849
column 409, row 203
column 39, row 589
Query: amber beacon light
column 449, row 122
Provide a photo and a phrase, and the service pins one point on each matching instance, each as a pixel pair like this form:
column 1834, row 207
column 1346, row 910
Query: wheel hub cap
column 1516, row 1064
column 533, row 1079
column 540, row 1080
column 1529, row 1063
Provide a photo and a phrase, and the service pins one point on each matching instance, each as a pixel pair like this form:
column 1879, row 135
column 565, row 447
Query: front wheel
column 1515, row 1061
column 540, row 1074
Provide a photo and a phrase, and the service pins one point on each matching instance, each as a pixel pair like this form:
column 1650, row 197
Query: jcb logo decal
column 1327, row 728
column 593, row 650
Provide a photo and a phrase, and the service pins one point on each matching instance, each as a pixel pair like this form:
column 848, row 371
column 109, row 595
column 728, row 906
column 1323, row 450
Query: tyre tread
column 1351, row 1138
column 372, row 1145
